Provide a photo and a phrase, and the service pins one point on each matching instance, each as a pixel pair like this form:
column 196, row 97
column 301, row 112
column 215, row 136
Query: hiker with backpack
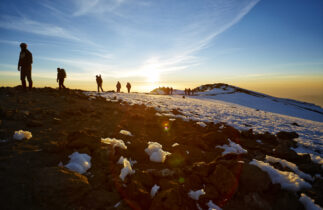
column 118, row 86
column 99, row 82
column 128, row 87
column 61, row 75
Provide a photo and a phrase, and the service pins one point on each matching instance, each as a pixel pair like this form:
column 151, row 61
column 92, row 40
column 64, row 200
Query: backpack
column 63, row 73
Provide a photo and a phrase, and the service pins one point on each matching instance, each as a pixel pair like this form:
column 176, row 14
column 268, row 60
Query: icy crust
column 195, row 195
column 289, row 165
column 203, row 109
column 79, row 162
column 20, row 135
column 232, row 148
column 309, row 203
column 287, row 180
column 156, row 153
column 114, row 142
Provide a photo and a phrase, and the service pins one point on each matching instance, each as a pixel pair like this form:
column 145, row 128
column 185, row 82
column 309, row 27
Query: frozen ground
column 204, row 109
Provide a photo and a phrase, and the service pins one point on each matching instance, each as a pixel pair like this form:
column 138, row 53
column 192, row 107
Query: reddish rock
column 81, row 139
column 173, row 199
column 214, row 138
column 224, row 181
column 59, row 188
column 253, row 179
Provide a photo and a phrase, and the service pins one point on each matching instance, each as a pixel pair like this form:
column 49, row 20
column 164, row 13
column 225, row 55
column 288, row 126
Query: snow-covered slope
column 260, row 101
column 202, row 109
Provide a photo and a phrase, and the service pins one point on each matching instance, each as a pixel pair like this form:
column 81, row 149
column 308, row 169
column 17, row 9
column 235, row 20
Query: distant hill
column 233, row 94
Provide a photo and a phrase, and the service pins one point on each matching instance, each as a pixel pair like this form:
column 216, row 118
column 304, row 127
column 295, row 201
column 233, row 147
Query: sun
column 152, row 77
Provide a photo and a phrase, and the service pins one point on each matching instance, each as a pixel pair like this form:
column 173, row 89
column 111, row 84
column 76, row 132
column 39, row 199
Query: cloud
column 84, row 7
column 10, row 42
column 35, row 27
column 84, row 66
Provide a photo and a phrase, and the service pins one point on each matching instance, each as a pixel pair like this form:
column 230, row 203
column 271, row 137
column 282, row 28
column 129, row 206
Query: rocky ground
column 62, row 122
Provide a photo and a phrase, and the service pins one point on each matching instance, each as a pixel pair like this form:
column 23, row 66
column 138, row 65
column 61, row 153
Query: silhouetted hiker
column 192, row 92
column 118, row 87
column 189, row 91
column 99, row 81
column 128, row 87
column 185, row 91
column 61, row 75
column 24, row 66
column 167, row 91
column 171, row 90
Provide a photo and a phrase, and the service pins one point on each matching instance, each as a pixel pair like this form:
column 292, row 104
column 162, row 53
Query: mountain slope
column 260, row 101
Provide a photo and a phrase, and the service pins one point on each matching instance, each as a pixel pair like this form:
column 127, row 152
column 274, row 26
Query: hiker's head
column 58, row 69
column 23, row 46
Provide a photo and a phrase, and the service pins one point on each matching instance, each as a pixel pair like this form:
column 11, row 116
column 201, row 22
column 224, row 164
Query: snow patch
column 195, row 195
column 309, row 203
column 117, row 204
column 79, row 162
column 213, row 206
column 126, row 170
column 289, row 165
column 154, row 190
column 232, row 148
column 175, row 144
column 172, row 119
column 20, row 135
column 121, row 160
column 259, row 141
column 201, row 124
column 156, row 153
column 287, row 180
column 114, row 142
column 127, row 133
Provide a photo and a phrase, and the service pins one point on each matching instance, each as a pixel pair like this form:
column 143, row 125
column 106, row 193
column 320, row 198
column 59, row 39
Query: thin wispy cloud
column 35, row 27
column 10, row 42
column 95, row 7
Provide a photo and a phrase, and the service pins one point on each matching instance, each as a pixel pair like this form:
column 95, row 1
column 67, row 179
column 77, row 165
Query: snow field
column 204, row 109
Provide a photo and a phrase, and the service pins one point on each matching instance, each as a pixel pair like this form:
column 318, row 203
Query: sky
column 274, row 47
